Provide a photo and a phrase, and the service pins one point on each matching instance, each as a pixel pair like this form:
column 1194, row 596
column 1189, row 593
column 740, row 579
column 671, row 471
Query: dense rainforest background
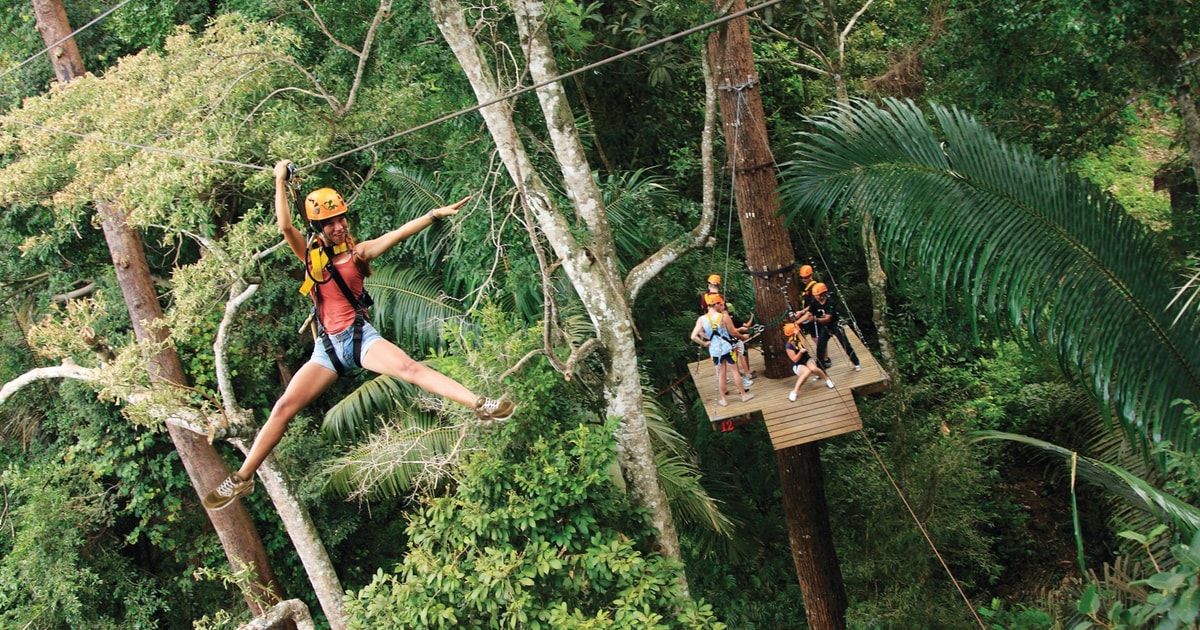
column 1002, row 195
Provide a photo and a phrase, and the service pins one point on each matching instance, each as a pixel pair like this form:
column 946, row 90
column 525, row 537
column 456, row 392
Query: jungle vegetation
column 1030, row 170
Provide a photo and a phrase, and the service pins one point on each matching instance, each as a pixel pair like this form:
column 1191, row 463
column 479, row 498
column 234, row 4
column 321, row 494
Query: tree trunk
column 50, row 18
column 203, row 464
column 1191, row 122
column 201, row 461
column 592, row 269
column 811, row 536
column 877, row 281
column 770, row 259
column 771, row 262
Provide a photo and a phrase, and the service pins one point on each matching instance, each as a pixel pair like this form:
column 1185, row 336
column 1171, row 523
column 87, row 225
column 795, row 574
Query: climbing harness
column 320, row 205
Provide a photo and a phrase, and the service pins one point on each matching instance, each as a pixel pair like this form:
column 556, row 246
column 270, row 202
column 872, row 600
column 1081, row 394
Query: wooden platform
column 818, row 413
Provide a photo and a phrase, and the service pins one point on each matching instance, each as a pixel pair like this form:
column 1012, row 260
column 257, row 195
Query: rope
column 55, row 44
column 737, row 124
column 924, row 532
column 833, row 280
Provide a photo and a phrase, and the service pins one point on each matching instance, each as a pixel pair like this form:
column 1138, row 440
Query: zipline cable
column 833, row 280
column 565, row 75
column 924, row 532
column 55, row 44
column 425, row 125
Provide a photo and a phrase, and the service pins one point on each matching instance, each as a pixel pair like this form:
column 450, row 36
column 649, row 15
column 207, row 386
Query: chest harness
column 320, row 264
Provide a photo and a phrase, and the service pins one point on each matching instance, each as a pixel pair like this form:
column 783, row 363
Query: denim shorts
column 343, row 345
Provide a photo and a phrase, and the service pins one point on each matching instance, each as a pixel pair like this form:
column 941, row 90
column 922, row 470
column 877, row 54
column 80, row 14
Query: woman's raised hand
column 450, row 210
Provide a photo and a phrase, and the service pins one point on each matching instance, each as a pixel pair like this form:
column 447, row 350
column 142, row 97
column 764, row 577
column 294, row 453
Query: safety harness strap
column 360, row 304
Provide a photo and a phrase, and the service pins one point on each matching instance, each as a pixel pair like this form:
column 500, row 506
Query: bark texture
column 813, row 553
column 770, row 259
column 50, row 19
column 1191, row 122
column 203, row 464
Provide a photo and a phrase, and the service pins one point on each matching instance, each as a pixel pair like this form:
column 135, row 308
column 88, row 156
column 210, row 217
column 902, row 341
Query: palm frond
column 690, row 502
column 1116, row 480
column 627, row 197
column 662, row 432
column 415, row 193
column 1026, row 240
column 1188, row 295
column 396, row 459
column 360, row 412
column 409, row 308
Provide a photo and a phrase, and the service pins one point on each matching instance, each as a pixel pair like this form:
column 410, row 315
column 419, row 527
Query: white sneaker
column 815, row 378
column 722, row 402
column 792, row 396
column 829, row 383
column 858, row 368
column 746, row 381
column 747, row 397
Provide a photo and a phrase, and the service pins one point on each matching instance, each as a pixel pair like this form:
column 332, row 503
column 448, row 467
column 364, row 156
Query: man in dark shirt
column 826, row 316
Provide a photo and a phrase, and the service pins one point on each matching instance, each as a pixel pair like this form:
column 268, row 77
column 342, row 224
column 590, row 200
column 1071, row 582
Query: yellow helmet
column 714, row 279
column 323, row 203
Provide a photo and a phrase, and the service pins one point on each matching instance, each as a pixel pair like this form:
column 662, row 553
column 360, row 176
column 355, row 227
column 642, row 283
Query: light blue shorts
column 343, row 345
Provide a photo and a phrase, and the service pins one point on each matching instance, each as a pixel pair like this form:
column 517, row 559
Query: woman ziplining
column 335, row 267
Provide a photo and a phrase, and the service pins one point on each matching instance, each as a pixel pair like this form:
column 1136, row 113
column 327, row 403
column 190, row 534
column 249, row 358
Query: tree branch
column 68, row 369
column 224, row 377
column 290, row 609
column 700, row 235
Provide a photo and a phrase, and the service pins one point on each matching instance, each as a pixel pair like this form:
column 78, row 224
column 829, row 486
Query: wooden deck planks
column 818, row 413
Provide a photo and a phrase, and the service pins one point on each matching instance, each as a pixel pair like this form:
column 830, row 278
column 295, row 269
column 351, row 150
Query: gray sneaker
column 493, row 410
column 228, row 490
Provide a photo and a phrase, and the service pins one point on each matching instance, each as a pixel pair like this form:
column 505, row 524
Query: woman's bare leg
column 306, row 385
column 721, row 380
column 384, row 357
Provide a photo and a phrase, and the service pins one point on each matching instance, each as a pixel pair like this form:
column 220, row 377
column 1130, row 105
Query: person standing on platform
column 824, row 311
column 714, row 331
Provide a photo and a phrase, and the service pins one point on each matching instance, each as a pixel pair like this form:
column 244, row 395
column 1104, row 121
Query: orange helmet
column 713, row 299
column 820, row 289
column 805, row 271
column 714, row 279
column 323, row 203
column 790, row 330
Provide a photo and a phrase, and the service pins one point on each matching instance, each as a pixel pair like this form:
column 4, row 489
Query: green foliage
column 1170, row 597
column 1000, row 616
column 97, row 532
column 534, row 536
column 1025, row 239
column 1126, row 170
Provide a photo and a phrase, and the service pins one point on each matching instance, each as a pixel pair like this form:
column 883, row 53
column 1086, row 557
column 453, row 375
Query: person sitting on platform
column 802, row 362
column 714, row 331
